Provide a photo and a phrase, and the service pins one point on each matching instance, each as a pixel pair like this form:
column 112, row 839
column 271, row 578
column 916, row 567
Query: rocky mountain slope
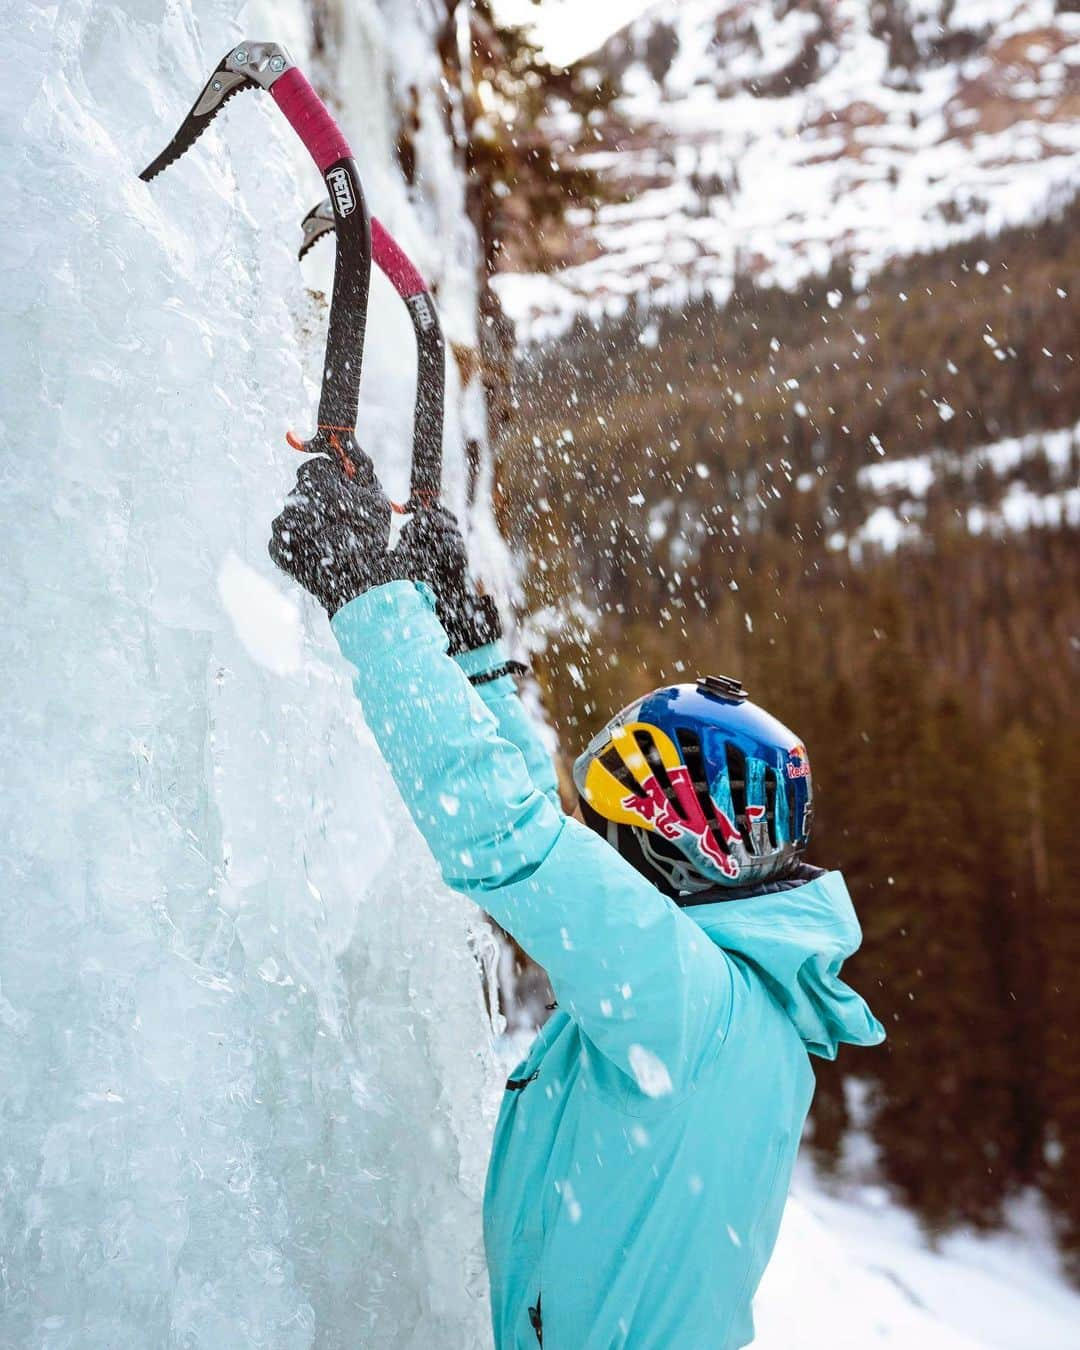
column 772, row 138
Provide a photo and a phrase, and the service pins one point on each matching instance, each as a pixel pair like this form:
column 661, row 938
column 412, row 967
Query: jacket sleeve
column 511, row 719
column 644, row 983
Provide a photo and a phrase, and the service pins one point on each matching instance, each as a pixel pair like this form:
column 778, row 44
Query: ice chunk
column 266, row 621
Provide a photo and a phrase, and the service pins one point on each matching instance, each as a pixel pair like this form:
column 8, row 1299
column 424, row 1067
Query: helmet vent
column 613, row 762
column 770, row 804
column 736, row 767
column 647, row 746
column 694, row 759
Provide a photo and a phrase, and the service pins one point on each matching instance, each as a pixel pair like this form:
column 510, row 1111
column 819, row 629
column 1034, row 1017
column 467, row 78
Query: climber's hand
column 333, row 533
column 431, row 549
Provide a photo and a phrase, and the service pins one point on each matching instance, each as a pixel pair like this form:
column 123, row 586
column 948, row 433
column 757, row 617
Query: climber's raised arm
column 643, row 982
column 432, row 550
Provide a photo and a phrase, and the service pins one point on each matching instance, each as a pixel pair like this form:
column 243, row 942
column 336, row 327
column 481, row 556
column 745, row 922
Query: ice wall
column 243, row 1063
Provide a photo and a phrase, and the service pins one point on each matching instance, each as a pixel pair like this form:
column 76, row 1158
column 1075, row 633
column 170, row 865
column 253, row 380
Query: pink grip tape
column 309, row 118
column 395, row 263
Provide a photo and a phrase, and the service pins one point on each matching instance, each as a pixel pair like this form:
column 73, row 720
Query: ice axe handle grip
column 395, row 263
column 309, row 118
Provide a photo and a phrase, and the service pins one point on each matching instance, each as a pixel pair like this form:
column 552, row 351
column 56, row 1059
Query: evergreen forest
column 697, row 492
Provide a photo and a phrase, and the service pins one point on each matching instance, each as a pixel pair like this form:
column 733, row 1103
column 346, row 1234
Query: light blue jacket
column 644, row 1148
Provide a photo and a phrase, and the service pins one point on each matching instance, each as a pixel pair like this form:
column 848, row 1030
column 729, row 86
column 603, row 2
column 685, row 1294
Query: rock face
column 772, row 138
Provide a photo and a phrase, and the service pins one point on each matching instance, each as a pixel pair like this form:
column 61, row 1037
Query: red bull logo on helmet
column 655, row 809
column 798, row 765
column 657, row 812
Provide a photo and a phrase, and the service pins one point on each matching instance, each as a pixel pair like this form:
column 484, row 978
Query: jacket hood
column 796, row 942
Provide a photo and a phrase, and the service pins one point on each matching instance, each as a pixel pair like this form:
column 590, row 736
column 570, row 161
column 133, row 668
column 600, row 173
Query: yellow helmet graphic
column 714, row 789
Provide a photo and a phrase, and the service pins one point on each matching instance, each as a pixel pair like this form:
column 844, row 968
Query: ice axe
column 266, row 65
column 425, row 483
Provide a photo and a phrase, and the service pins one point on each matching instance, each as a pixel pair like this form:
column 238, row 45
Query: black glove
column 333, row 534
column 432, row 550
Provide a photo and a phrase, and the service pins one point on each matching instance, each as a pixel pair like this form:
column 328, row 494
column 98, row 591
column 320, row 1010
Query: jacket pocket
column 536, row 1321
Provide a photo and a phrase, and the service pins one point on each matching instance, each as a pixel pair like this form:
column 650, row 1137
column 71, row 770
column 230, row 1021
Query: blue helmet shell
column 751, row 778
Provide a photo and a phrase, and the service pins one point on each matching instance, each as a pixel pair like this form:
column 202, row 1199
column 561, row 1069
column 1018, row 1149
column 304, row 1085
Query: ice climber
column 645, row 1146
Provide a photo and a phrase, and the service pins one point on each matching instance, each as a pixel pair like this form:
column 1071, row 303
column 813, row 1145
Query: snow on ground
column 852, row 1270
column 858, row 161
column 817, row 1293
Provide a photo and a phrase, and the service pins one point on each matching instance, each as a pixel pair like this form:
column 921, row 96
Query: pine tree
column 1015, row 855
column 1061, row 758
column 943, row 1122
column 836, row 749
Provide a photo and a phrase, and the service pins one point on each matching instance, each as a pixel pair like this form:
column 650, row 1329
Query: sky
column 567, row 29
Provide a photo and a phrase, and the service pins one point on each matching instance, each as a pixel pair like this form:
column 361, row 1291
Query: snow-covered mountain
column 772, row 138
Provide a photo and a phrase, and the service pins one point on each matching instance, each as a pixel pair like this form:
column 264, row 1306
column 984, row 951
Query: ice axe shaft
column 425, row 486
column 268, row 66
